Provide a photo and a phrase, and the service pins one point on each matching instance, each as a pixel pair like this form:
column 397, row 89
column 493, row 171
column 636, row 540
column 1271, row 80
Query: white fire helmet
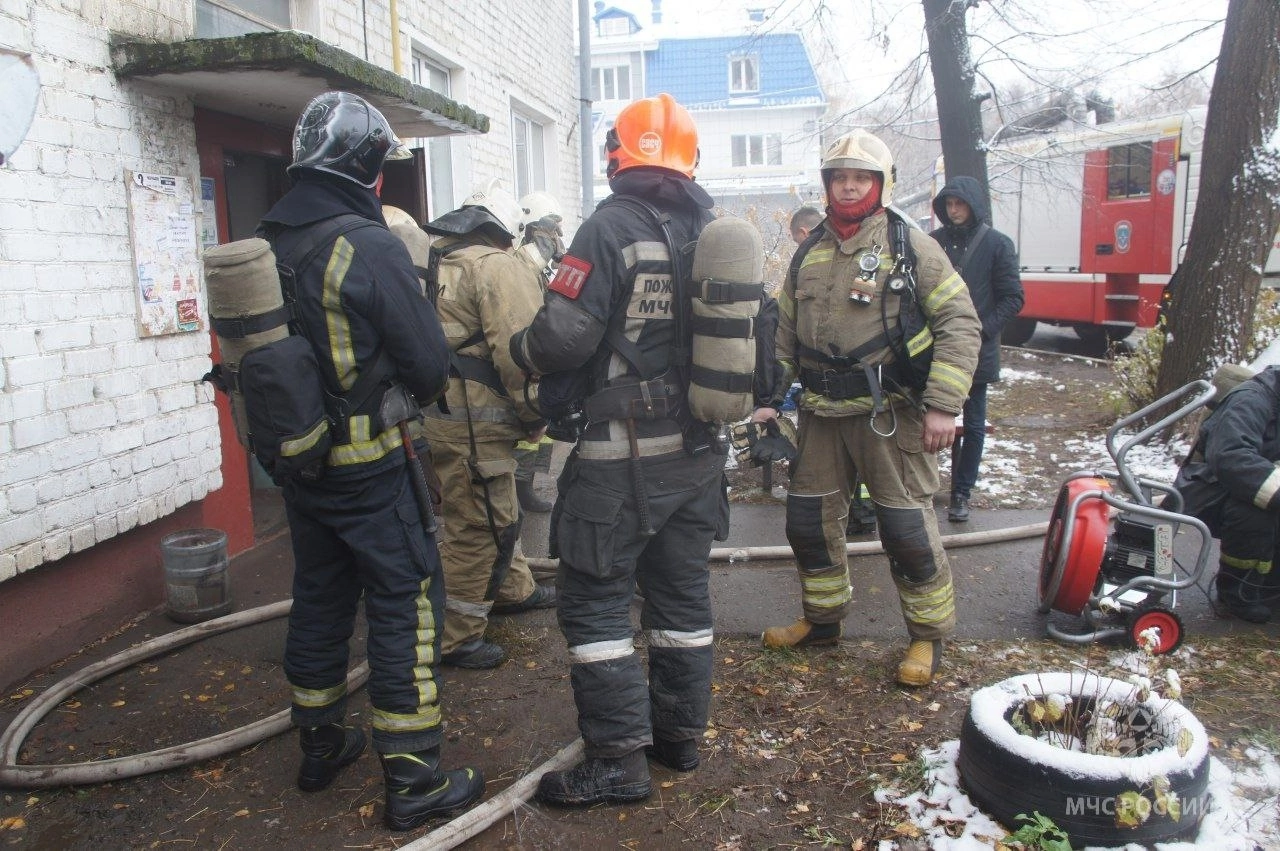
column 860, row 149
column 501, row 205
column 539, row 205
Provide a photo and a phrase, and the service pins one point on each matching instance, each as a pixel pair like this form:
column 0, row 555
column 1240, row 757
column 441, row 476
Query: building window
column 529, row 149
column 218, row 18
column 1129, row 171
column 614, row 25
column 441, row 197
column 764, row 149
column 611, row 83
column 743, row 74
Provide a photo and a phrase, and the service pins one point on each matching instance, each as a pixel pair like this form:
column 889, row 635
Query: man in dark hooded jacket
column 988, row 262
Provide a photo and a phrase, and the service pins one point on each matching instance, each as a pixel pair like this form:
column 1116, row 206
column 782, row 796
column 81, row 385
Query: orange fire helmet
column 654, row 131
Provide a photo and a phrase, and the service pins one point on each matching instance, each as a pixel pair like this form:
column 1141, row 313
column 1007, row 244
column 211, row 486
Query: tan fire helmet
column 860, row 149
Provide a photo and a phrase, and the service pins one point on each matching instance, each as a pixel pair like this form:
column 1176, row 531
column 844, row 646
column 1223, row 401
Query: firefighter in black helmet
column 357, row 531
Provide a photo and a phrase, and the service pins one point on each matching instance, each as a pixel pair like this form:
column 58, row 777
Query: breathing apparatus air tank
column 727, row 286
column 246, row 307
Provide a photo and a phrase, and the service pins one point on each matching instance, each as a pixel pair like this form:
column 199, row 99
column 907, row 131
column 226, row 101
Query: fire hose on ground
column 457, row 831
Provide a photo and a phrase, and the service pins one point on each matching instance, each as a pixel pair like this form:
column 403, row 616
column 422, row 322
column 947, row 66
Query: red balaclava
column 845, row 219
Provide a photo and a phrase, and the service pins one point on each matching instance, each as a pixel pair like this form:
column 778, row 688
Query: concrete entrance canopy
column 269, row 77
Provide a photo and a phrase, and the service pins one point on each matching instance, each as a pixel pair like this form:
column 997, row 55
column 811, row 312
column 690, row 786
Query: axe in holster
column 399, row 407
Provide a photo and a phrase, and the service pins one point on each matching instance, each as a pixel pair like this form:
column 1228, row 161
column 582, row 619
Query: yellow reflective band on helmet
column 943, row 293
column 341, row 350
column 316, row 698
column 928, row 608
column 943, row 373
column 1260, row 565
column 303, row 443
column 395, row 722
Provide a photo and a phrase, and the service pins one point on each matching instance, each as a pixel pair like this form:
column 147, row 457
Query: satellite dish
column 19, row 92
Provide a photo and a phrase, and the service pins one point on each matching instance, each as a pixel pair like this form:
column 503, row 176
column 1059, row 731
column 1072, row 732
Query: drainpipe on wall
column 584, row 108
column 396, row 64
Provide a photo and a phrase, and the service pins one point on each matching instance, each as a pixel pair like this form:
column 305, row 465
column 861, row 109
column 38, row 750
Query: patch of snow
column 991, row 705
column 1243, row 810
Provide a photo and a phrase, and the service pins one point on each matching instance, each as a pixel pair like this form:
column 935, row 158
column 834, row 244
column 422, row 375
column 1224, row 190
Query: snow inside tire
column 1008, row 774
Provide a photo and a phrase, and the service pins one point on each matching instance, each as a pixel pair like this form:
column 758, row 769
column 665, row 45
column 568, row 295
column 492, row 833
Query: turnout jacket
column 990, row 271
column 1240, row 442
column 485, row 294
column 358, row 297
column 815, row 312
column 617, row 274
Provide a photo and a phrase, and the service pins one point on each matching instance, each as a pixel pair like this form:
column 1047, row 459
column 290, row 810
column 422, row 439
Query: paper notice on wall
column 166, row 255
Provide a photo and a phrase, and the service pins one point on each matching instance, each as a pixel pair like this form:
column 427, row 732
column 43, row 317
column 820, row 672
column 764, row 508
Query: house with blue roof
column 751, row 88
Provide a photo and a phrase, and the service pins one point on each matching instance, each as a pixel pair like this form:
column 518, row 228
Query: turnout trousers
column 364, row 536
column 482, row 563
column 902, row 479
column 605, row 552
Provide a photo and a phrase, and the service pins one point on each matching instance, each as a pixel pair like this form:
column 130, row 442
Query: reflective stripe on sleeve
column 1267, row 492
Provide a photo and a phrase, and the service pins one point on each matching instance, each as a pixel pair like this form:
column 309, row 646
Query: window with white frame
column 614, row 25
column 441, row 197
column 760, row 149
column 528, row 148
column 613, row 83
column 744, row 74
column 218, row 18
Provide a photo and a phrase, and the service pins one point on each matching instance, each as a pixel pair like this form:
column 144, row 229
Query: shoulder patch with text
column 570, row 277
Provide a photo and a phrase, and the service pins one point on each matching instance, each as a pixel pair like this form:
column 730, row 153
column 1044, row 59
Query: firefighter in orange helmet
column 640, row 498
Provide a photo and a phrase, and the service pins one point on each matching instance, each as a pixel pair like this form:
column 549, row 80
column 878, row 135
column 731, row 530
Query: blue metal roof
column 696, row 71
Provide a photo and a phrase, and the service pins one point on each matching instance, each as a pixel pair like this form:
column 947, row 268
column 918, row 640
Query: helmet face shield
column 342, row 134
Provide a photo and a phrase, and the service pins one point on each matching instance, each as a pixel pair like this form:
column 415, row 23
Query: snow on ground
column 1244, row 808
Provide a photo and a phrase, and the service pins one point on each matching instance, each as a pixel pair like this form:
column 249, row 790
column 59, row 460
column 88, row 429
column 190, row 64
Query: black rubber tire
column 1017, row 331
column 1007, row 784
column 1101, row 334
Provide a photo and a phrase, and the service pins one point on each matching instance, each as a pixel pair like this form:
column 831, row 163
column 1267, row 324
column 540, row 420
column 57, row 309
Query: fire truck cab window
column 1129, row 171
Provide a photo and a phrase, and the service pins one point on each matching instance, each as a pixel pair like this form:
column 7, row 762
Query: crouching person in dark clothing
column 1231, row 481
column 642, row 495
column 357, row 526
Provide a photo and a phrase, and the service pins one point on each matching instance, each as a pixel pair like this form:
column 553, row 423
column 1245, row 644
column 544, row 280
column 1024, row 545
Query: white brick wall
column 100, row 430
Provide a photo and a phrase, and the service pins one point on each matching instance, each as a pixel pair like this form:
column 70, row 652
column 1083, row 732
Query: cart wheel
column 1156, row 617
column 1070, row 562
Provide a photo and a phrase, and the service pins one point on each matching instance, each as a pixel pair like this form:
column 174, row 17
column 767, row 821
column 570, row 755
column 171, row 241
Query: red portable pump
column 1108, row 555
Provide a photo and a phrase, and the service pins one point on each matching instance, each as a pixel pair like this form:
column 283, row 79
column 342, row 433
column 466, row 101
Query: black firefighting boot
column 418, row 791
column 678, row 756
column 325, row 751
column 1238, row 594
column 598, row 780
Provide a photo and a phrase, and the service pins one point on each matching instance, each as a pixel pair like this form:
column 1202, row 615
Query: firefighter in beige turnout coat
column 484, row 294
column 832, row 337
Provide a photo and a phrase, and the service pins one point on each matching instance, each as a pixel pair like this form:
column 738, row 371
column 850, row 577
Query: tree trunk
column 1210, row 318
column 959, row 108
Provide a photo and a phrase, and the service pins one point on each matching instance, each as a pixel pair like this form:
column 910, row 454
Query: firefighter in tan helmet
column 881, row 333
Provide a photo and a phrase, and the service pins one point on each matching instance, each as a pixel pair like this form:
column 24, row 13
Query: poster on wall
column 166, row 257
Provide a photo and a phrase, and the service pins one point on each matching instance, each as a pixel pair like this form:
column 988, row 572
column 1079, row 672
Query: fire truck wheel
column 1017, row 331
column 1101, row 334
column 1158, row 617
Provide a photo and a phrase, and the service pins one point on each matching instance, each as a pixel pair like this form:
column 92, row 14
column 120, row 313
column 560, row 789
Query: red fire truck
column 1100, row 216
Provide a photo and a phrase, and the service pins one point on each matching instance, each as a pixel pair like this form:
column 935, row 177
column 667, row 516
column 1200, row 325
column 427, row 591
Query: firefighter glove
column 764, row 443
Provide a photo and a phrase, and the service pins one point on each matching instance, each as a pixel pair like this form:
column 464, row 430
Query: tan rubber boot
column 802, row 633
column 920, row 663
